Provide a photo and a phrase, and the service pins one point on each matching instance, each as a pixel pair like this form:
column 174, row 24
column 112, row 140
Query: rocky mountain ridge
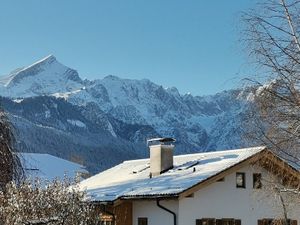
column 53, row 110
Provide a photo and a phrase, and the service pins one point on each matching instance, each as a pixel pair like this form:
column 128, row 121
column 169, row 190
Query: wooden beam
column 289, row 175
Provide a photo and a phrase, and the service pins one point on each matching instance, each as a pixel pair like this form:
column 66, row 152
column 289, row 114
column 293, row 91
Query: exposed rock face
column 108, row 120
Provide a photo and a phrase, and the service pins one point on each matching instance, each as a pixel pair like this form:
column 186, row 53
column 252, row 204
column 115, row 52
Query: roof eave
column 222, row 174
column 252, row 159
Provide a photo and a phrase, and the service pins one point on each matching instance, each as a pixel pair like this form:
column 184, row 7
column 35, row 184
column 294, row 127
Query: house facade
column 219, row 188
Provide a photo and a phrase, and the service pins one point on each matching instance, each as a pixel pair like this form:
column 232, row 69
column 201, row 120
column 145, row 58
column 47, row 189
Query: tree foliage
column 11, row 168
column 56, row 203
column 272, row 35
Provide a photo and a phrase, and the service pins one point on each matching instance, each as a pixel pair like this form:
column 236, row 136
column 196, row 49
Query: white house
column 222, row 188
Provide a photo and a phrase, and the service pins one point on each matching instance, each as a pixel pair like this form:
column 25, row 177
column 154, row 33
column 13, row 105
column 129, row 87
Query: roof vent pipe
column 161, row 155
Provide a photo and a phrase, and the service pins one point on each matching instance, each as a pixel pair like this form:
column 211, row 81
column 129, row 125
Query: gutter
column 167, row 210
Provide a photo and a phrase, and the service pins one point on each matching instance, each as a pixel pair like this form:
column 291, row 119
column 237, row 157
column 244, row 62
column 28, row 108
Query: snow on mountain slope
column 44, row 77
column 48, row 125
column 187, row 117
column 119, row 110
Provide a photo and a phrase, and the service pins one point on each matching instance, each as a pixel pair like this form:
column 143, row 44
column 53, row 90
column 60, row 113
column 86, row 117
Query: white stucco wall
column 155, row 215
column 224, row 200
column 218, row 200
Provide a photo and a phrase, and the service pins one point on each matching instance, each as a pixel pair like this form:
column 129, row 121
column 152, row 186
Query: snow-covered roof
column 131, row 178
column 48, row 167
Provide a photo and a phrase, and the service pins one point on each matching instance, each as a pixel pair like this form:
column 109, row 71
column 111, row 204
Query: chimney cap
column 162, row 140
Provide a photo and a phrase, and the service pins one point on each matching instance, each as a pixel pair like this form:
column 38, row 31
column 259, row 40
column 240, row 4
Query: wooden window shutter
column 267, row 221
column 219, row 222
column 279, row 222
column 212, row 221
column 198, row 222
column 227, row 221
column 237, row 222
column 206, row 221
column 294, row 222
column 260, row 222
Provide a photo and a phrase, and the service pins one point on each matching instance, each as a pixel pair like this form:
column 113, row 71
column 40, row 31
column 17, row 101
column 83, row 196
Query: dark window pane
column 142, row 221
column 227, row 221
column 240, row 180
column 218, row 222
column 257, row 181
column 237, row 222
column 198, row 222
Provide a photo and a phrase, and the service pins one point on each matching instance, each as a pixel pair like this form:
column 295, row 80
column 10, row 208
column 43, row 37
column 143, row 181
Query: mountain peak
column 47, row 59
column 30, row 70
column 46, row 75
column 44, row 61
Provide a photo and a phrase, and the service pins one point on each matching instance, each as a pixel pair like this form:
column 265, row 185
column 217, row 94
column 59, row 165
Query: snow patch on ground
column 77, row 123
column 47, row 114
column 47, row 167
column 18, row 100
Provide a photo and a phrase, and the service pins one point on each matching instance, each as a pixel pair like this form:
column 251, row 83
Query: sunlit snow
column 131, row 178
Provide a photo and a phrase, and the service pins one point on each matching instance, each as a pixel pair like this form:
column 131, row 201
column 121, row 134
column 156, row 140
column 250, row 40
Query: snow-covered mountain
column 41, row 78
column 107, row 120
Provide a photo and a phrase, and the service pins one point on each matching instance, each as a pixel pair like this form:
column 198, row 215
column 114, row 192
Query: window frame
column 228, row 221
column 272, row 221
column 106, row 219
column 257, row 178
column 222, row 221
column 243, row 185
column 206, row 221
column 142, row 220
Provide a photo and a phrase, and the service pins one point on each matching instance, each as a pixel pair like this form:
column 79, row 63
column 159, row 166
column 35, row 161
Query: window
column 237, row 222
column 142, row 221
column 276, row 222
column 206, row 221
column 240, row 180
column 106, row 219
column 257, row 181
column 224, row 221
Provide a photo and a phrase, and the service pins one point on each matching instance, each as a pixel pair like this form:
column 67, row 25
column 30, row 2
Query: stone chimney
column 161, row 155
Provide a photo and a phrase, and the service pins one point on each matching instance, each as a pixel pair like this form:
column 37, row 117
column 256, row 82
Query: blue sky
column 190, row 44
